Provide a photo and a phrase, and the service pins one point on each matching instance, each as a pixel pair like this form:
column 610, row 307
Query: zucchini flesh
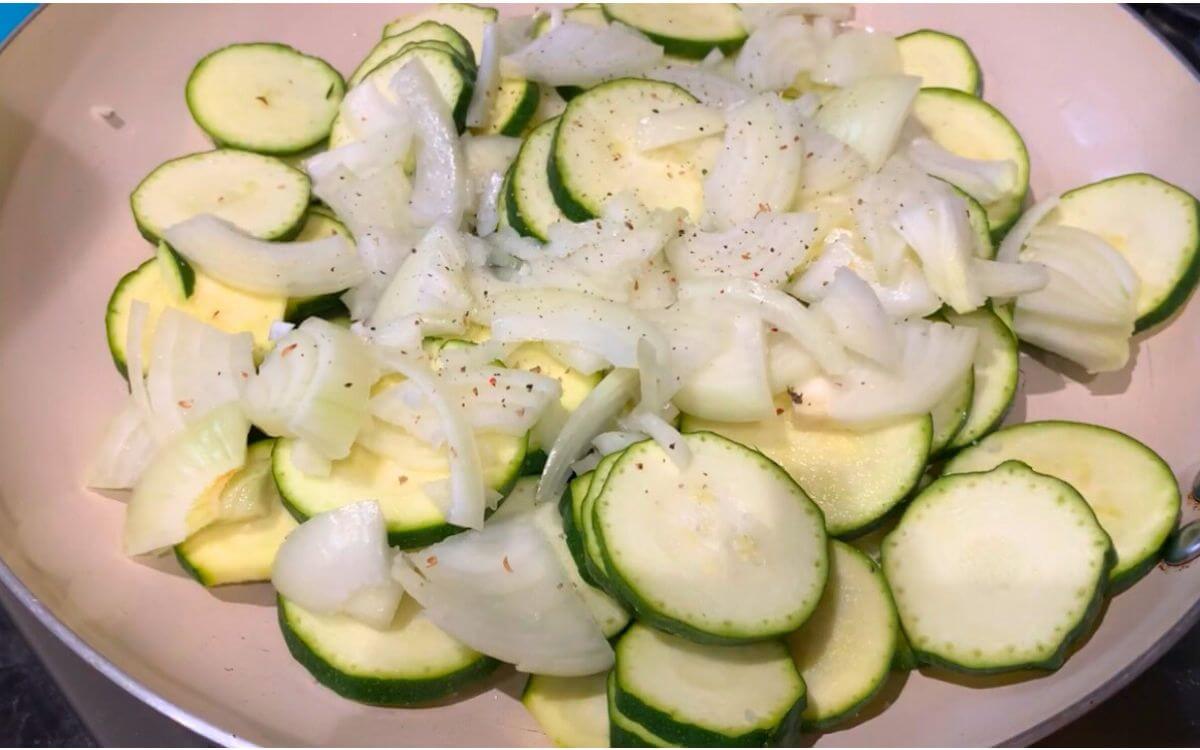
column 530, row 202
column 468, row 20
column 260, row 195
column 753, row 543
column 997, row 571
column 575, row 385
column 594, row 155
column 263, row 97
column 178, row 277
column 995, row 374
column 951, row 413
column 624, row 731
column 572, row 711
column 972, row 128
column 413, row 518
column 570, row 508
column 516, row 102
column 410, row 663
column 854, row 477
column 706, row 696
column 1154, row 225
column 593, row 553
column 1132, row 491
column 688, row 30
column 940, row 61
column 426, row 31
column 846, row 649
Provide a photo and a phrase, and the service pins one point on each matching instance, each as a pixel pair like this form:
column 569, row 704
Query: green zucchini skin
column 190, row 569
column 691, row 49
column 522, row 116
column 574, row 537
column 571, row 208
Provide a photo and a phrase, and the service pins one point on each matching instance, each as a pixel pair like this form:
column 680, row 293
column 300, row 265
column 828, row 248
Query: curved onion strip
column 487, row 78
column 576, row 54
column 1010, row 248
column 440, row 181
column 661, row 431
column 125, row 450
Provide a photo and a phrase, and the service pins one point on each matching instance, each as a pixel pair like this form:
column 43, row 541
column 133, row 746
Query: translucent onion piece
column 487, row 78
column 1007, row 280
column 124, row 452
column 787, row 363
column 936, row 227
column 869, row 115
column 983, row 180
column 250, row 491
column 829, row 164
column 758, row 15
column 662, row 432
column 734, row 386
column 775, row 54
column 377, row 201
column 856, row 55
column 710, row 87
column 292, row 269
column 617, row 440
column 430, row 286
column 679, row 125
column 171, row 500
column 859, row 320
column 767, row 248
column 1010, row 247
column 576, row 54
column 339, row 561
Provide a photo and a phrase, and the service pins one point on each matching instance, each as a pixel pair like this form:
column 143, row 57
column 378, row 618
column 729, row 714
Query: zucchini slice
column 854, row 477
column 259, row 194
column 751, row 543
column 410, row 663
column 997, row 571
column 941, row 61
column 1154, row 225
column 593, row 553
column 594, row 155
column 972, row 128
column 976, row 214
column 689, row 30
column 468, row 20
column 426, row 31
column 516, row 102
column 240, row 551
column 846, row 649
column 318, row 224
column 178, row 276
column 995, row 374
column 1130, row 488
column 950, row 414
column 412, row 516
column 624, row 731
column 575, row 386
column 530, row 201
column 264, row 97
column 572, row 711
column 706, row 696
column 570, row 507
column 211, row 302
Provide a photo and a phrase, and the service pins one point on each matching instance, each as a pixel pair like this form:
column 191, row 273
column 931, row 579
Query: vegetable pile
column 658, row 351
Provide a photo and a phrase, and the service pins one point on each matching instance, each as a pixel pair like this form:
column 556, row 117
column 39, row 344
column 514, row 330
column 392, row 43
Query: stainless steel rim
column 97, row 661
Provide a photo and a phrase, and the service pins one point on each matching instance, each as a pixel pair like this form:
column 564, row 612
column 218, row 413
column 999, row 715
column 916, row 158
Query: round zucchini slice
column 995, row 375
column 426, row 31
column 468, row 20
column 689, row 30
column 572, row 711
column 940, row 61
column 950, row 414
column 516, row 102
column 530, row 201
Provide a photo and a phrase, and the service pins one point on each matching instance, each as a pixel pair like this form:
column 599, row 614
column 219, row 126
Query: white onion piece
column 859, row 320
column 580, row 360
column 487, row 216
column 868, row 115
column 767, row 248
column 585, row 464
column 292, row 269
column 937, row 228
column 591, row 418
column 467, row 487
column 775, row 54
column 430, row 287
column 250, row 492
column 787, row 363
column 363, row 158
column 373, row 202
column 1096, row 348
column 485, row 154
column 487, row 78
column 339, row 561
column 1010, row 247
column 194, row 368
column 757, row 15
column 679, row 125
column 855, row 55
column 983, row 180
column 314, row 385
column 576, row 54
column 1006, row 280
column 758, row 168
column 662, row 432
column 734, row 386
column 616, row 441
column 128, row 446
column 783, row 312
column 829, row 165
column 279, row 329
column 164, row 509
column 708, row 86
column 367, row 111
column 876, row 201
column 503, row 592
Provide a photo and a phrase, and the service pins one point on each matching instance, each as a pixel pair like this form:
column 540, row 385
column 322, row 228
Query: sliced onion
column 172, row 499
column 374, row 202
column 855, row 55
column 758, row 15
column 250, row 491
column 710, row 87
column 503, row 592
column 983, row 180
column 1006, row 280
column 679, row 125
column 787, row 363
column 767, row 248
column 487, row 216
column 616, row 441
column 936, row 227
column 662, row 432
column 876, row 201
column 585, row 464
column 758, row 167
column 734, row 386
column 859, row 320
column 292, row 269
column 597, row 411
column 579, row 360
column 1094, row 347
column 1010, row 247
column 576, row 54
column 339, row 561
column 128, row 445
column 775, row 55
column 467, row 486
column 487, row 78
column 430, row 286
column 381, row 253
column 869, row 115
column 829, row 164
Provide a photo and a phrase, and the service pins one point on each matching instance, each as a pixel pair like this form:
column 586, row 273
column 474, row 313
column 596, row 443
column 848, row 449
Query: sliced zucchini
column 706, row 696
column 211, row 302
column 995, row 374
column 593, row 553
column 997, row 571
column 951, row 413
column 572, row 711
column 413, row 518
column 426, row 31
column 264, row 97
column 751, row 545
column 575, row 385
column 590, row 14
column 972, row 128
column 594, row 155
column 941, row 61
column 845, row 651
column 240, row 551
column 178, row 277
column 410, row 663
column 516, row 102
column 320, row 223
column 689, row 30
column 624, row 731
column 468, row 20
column 530, row 201
column 570, row 507
column 1154, row 225
column 985, row 246
column 1130, row 488
column 854, row 477
column 259, row 194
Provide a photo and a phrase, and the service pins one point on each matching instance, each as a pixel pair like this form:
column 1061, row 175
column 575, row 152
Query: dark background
column 1159, row 708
